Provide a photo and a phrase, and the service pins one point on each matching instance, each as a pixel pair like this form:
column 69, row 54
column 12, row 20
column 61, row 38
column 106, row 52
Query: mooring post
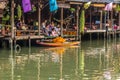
column 90, row 36
column 98, row 35
column 29, row 41
column 115, row 35
column 14, row 43
column 107, row 32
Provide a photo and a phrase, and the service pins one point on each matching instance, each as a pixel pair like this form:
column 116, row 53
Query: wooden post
column 61, row 21
column 105, row 20
column 119, row 19
column 90, row 18
column 104, row 35
column 119, row 22
column 12, row 18
column 105, row 25
column 39, row 16
column 77, row 22
column 101, row 14
column 90, row 36
column 12, row 25
column 112, row 23
column 111, row 19
column 12, row 37
column 63, row 1
column 98, row 35
column 29, row 39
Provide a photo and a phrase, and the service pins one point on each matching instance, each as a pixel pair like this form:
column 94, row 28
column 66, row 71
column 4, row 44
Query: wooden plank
column 91, row 31
column 28, row 37
column 24, row 37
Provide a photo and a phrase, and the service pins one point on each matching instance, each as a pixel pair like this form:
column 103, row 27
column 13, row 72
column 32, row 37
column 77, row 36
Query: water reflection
column 80, row 64
column 97, row 61
column 43, row 57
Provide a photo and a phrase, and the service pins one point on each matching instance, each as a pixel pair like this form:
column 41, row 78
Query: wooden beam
column 80, row 3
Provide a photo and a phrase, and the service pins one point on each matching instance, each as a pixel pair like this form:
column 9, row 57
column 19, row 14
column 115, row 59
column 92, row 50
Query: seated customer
column 54, row 33
column 94, row 27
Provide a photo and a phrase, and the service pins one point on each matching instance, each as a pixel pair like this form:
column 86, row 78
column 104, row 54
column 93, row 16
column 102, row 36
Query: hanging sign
column 26, row 5
column 53, row 5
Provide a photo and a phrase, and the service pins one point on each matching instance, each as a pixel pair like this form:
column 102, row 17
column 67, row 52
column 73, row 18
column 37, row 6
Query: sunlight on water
column 92, row 60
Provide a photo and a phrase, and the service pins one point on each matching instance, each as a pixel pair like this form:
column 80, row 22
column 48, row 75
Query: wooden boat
column 50, row 44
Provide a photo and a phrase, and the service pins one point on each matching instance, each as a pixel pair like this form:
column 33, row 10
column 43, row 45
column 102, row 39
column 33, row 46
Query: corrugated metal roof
column 3, row 0
column 116, row 1
column 96, row 1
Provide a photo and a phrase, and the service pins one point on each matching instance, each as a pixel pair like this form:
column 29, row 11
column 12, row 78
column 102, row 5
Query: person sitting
column 54, row 33
column 57, row 29
column 19, row 25
column 115, row 27
column 94, row 27
column 85, row 29
column 46, row 31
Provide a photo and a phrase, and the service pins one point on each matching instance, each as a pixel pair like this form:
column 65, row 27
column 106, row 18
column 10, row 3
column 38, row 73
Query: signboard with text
column 61, row 5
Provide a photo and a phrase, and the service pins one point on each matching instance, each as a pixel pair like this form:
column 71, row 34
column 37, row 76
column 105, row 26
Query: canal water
column 91, row 60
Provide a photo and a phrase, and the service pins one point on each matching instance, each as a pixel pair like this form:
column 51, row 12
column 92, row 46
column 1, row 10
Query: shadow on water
column 91, row 60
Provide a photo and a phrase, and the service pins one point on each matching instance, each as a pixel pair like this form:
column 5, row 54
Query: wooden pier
column 31, row 38
column 6, row 41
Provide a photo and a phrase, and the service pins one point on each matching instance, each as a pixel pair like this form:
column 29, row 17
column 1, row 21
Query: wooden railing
column 70, row 33
column 26, row 32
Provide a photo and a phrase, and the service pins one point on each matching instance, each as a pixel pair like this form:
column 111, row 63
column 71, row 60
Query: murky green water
column 92, row 60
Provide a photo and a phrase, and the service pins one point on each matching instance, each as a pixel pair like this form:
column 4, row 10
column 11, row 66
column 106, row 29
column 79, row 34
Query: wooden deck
column 69, row 35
